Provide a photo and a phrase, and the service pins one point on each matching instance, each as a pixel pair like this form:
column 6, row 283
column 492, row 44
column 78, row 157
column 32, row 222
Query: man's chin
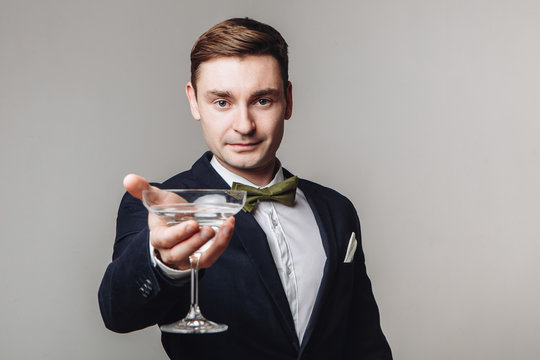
column 245, row 162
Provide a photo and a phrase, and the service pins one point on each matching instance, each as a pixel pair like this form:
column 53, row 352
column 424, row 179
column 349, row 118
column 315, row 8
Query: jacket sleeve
column 133, row 294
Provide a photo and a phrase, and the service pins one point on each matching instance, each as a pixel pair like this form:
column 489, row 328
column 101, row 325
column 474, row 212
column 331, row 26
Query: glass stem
column 194, row 264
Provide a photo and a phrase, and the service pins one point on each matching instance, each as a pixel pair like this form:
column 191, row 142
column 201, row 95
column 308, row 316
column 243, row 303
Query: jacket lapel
column 255, row 243
column 324, row 217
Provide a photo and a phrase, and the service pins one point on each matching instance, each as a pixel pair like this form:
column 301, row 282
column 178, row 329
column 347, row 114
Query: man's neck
column 260, row 176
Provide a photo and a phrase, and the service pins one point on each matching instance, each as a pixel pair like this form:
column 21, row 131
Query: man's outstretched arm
column 133, row 293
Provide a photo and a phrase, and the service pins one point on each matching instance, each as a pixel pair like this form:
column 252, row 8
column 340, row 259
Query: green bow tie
column 284, row 192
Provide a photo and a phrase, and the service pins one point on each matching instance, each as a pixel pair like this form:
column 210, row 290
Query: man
column 285, row 278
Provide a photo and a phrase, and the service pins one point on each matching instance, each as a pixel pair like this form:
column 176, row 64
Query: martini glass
column 209, row 207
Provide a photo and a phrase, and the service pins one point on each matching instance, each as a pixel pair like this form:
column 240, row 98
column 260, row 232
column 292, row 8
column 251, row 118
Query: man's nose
column 243, row 122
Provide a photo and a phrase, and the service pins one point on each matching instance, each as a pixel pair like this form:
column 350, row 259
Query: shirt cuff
column 166, row 270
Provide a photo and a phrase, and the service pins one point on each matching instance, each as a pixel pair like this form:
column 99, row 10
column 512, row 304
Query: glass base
column 194, row 323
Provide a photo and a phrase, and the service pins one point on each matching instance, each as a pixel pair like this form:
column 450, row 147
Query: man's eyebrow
column 265, row 92
column 256, row 94
column 218, row 93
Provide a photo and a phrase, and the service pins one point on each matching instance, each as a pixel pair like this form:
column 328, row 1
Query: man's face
column 242, row 104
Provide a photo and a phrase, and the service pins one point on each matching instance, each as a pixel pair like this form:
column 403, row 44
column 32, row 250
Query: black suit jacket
column 243, row 289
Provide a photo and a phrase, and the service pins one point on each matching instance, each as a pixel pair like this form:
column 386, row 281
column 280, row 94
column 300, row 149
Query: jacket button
column 146, row 288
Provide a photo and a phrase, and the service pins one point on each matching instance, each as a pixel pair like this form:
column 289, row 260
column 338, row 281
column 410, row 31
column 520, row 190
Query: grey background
column 424, row 113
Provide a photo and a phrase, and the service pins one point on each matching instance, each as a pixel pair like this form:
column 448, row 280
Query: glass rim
column 225, row 191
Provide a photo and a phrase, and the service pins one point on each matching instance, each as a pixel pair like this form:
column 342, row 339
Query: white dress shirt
column 295, row 243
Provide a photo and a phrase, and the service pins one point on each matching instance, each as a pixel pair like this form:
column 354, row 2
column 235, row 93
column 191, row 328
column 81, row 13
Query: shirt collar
column 231, row 177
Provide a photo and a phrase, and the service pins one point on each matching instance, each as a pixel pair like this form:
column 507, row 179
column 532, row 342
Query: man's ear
column 288, row 95
column 192, row 98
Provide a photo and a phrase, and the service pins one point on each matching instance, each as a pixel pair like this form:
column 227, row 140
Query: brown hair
column 240, row 37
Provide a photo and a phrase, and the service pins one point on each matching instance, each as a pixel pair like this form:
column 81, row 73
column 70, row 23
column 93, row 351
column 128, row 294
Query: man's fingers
column 178, row 255
column 135, row 185
column 177, row 246
column 166, row 237
column 220, row 244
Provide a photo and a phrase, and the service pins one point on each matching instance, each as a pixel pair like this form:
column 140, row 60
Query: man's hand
column 174, row 244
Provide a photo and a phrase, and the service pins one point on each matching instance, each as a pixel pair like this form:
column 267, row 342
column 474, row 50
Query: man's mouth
column 243, row 146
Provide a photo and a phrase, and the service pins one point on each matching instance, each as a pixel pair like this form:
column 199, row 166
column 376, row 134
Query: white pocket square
column 351, row 249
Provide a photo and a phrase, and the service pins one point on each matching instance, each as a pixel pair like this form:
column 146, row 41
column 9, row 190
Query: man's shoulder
column 311, row 188
column 329, row 201
column 181, row 180
column 201, row 175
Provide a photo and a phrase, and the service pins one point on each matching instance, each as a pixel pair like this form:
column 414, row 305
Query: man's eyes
column 261, row 102
column 221, row 103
